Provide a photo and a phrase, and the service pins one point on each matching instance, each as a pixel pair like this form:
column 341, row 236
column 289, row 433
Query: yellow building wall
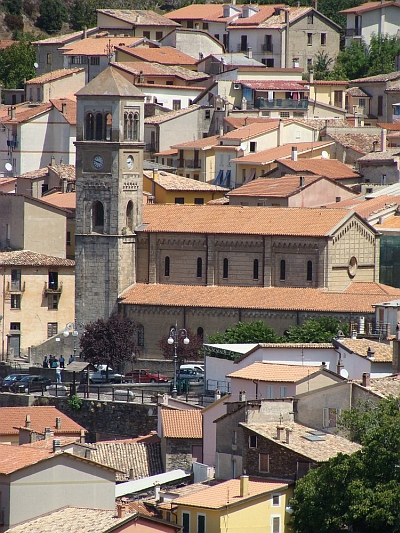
column 326, row 93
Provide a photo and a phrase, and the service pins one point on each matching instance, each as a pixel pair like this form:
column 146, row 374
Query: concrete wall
column 56, row 88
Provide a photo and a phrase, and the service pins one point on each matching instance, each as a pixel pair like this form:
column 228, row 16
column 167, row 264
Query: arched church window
column 99, row 127
column 282, row 276
column 98, row 217
column 89, row 127
column 131, row 126
column 107, row 126
column 129, row 215
column 199, row 267
column 140, row 335
column 309, row 270
column 135, row 133
column 166, row 266
column 200, row 332
column 225, row 268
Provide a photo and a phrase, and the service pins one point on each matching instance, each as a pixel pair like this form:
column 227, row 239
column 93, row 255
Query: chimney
column 288, row 432
column 315, row 5
column 250, row 53
column 294, row 153
column 244, row 486
column 242, row 396
column 82, row 437
column 131, row 474
column 370, row 353
column 339, row 366
column 279, row 430
column 56, row 445
column 48, row 433
column 287, row 14
column 84, row 32
column 63, row 108
column 221, row 130
column 52, row 161
column 13, row 111
column 157, row 492
column 383, row 140
column 280, row 133
column 323, row 365
column 302, row 181
column 64, row 184
column 121, row 510
column 311, row 76
column 28, row 421
column 155, row 174
column 58, row 422
column 366, row 376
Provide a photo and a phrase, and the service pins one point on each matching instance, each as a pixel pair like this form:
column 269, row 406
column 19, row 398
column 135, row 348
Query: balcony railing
column 15, row 286
column 53, row 288
column 280, row 103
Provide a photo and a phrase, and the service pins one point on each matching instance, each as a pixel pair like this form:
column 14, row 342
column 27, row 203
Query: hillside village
column 188, row 172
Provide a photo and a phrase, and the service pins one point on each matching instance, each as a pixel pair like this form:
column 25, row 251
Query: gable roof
column 240, row 220
column 145, row 68
column 330, row 168
column 271, row 372
column 273, row 85
column 249, row 131
column 138, row 17
column 65, row 200
column 165, row 55
column 169, row 115
column 180, row 424
column 319, row 451
column 54, row 75
column 378, row 78
column 173, row 182
column 204, row 143
column 369, row 6
column 41, row 417
column 97, row 46
column 110, row 83
column 368, row 207
column 382, row 353
column 359, row 142
column 206, row 12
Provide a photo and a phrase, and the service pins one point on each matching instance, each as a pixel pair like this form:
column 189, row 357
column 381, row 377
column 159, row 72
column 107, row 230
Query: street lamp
column 72, row 328
column 174, row 334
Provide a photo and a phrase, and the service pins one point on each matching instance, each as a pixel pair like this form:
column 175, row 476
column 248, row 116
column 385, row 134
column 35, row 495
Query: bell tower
column 109, row 191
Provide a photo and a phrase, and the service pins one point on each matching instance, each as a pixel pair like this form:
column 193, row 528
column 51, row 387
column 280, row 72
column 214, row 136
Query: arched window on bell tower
column 99, row 127
column 107, row 126
column 89, row 127
column 135, row 133
column 129, row 215
column 131, row 126
column 98, row 217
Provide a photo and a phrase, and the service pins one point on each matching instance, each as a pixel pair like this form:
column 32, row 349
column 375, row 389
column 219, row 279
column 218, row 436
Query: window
column 98, row 217
column 309, row 39
column 380, row 105
column 95, row 60
column 268, row 62
column 310, row 18
column 252, row 441
column 282, row 274
column 49, row 58
column 284, row 114
column 276, row 499
column 201, row 523
column 282, row 392
column 255, row 269
column 309, row 62
column 166, row 266
column 131, row 126
column 200, row 332
column 189, row 24
column 45, row 188
column 330, row 416
column 269, row 392
column 225, row 268
column 180, row 200
column 129, row 215
column 198, row 201
column 207, row 113
column 276, row 524
column 243, row 43
column 98, row 127
column 253, row 146
column 199, row 267
column 263, row 462
column 205, row 26
column 52, row 302
column 68, row 238
column 53, row 281
column 140, row 335
column 38, row 94
column 15, row 279
column 361, row 102
column 323, row 39
column 302, row 469
column 146, row 34
column 15, row 301
column 159, row 35
column 176, row 105
column 186, row 522
column 15, row 326
column 89, row 127
column 234, row 437
column 52, row 328
column 268, row 44
column 309, row 270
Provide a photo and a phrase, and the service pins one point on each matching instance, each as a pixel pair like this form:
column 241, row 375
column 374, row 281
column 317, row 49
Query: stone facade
column 178, row 453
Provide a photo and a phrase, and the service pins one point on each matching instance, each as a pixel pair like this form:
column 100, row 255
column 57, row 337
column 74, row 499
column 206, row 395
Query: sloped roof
column 368, row 6
column 25, row 112
column 54, row 75
column 273, row 85
column 280, row 152
column 27, row 258
column 331, row 168
column 206, row 12
column 169, row 115
column 173, row 182
column 249, row 131
column 157, row 69
column 41, row 417
column 275, row 187
column 138, row 17
column 378, row 78
column 365, row 208
column 70, row 108
column 97, row 46
column 319, row 451
column 272, row 372
column 386, row 386
column 166, row 55
column 263, row 13
column 180, row 424
column 202, row 144
column 353, row 139
column 65, row 200
column 110, row 83
column 383, row 353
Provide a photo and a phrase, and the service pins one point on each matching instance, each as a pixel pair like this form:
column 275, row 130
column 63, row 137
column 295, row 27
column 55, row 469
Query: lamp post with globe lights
column 174, row 334
column 72, row 329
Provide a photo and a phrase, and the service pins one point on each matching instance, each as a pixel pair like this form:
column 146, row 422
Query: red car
column 145, row 376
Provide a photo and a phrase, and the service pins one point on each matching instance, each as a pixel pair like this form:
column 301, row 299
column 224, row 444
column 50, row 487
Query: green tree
column 331, row 8
column 53, row 14
column 16, row 64
column 322, row 66
column 243, row 332
column 352, row 62
column 83, row 13
column 110, row 342
column 382, row 53
column 359, row 492
column 13, row 7
column 321, row 329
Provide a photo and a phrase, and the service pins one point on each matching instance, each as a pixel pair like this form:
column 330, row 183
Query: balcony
column 15, row 287
column 280, row 103
column 53, row 288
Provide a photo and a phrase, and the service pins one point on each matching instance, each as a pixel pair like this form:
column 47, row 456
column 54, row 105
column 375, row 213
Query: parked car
column 101, row 376
column 198, row 367
column 145, row 376
column 31, row 384
column 9, row 380
column 191, row 375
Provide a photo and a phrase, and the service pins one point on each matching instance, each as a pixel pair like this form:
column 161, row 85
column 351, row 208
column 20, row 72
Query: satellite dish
column 344, row 373
column 243, row 146
column 325, row 154
column 8, row 167
column 36, row 65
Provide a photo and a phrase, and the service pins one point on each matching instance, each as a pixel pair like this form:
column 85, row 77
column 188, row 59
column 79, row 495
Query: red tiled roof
column 138, row 17
column 206, row 12
column 280, row 152
column 97, row 46
column 166, row 55
column 368, row 6
column 25, row 113
column 366, row 207
column 204, row 143
column 357, row 298
column 238, row 122
column 55, row 75
column 65, row 200
column 276, row 187
column 13, row 458
column 264, row 12
column 4, row 43
column 252, row 130
column 69, row 111
column 273, row 85
column 263, row 371
column 331, row 168
column 41, row 417
column 180, row 424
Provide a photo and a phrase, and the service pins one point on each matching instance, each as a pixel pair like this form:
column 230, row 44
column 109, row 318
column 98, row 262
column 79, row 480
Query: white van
column 196, row 367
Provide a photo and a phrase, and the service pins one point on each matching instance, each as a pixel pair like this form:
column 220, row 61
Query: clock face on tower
column 98, row 162
column 129, row 162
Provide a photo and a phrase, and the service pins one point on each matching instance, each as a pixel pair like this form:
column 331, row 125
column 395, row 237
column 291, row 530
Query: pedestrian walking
column 45, row 362
column 58, row 373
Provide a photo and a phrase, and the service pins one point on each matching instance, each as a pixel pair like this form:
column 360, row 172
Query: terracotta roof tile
column 368, row 6
column 386, row 386
column 158, row 119
column 360, row 142
column 138, row 17
column 390, row 126
column 167, row 152
column 4, row 43
column 41, row 417
column 206, row 12
column 247, row 132
column 273, row 187
column 227, row 493
column 13, row 458
column 319, row 451
column 70, row 109
column 262, row 371
column 273, row 85
column 280, row 152
column 27, row 258
column 55, row 75
column 173, row 88
column 383, row 353
column 140, row 458
column 25, row 113
column 357, row 91
column 378, row 78
column 241, row 220
column 354, row 299
column 180, row 424
column 238, row 122
column 173, row 182
column 165, row 55
column 330, row 168
column 157, row 69
column 263, row 13
column 97, row 46
column 65, row 200
column 365, row 208
column 66, row 37
column 201, row 144
column 392, row 222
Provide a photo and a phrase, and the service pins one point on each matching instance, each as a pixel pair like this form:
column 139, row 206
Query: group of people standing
column 57, row 364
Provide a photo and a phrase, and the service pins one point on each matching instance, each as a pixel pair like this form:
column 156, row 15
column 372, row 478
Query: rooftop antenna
column 109, row 50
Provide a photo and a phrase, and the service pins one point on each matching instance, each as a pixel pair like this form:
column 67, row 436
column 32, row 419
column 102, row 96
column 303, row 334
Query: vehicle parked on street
column 101, row 376
column 191, row 375
column 196, row 367
column 31, row 384
column 9, row 380
column 145, row 376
